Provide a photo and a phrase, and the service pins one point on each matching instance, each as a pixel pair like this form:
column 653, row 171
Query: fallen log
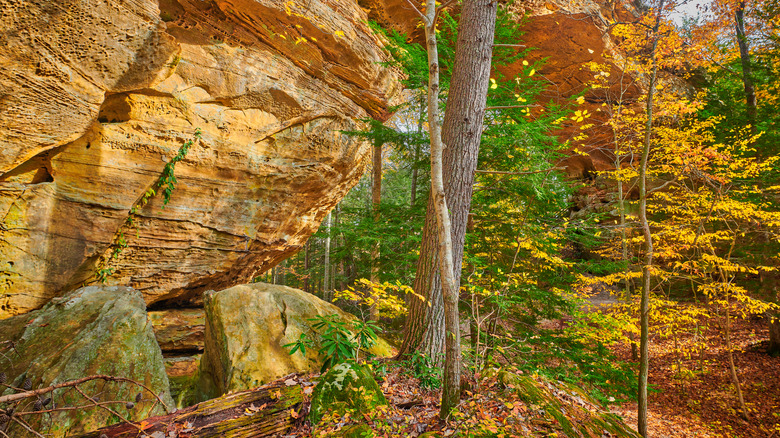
column 269, row 410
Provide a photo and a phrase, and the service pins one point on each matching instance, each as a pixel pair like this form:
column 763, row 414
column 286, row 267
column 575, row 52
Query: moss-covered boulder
column 247, row 327
column 347, row 387
column 93, row 330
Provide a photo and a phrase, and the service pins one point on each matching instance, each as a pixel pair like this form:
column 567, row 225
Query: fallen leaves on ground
column 698, row 398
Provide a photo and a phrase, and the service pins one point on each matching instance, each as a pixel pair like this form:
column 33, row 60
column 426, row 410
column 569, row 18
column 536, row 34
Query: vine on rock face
column 165, row 183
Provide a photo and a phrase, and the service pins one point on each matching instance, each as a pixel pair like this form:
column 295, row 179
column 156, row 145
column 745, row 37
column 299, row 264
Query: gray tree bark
column 327, row 293
column 644, row 307
column 452, row 180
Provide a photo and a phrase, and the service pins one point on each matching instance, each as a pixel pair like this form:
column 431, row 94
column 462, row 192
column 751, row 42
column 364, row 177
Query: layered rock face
column 97, row 96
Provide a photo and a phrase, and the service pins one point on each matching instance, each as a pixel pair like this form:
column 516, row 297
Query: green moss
column 347, row 387
column 564, row 406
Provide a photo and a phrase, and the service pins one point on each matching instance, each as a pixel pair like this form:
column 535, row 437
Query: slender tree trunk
column 732, row 366
column 774, row 334
column 644, row 353
column 451, row 381
column 326, row 292
column 747, row 71
column 306, row 265
column 376, row 200
column 415, row 170
column 279, row 272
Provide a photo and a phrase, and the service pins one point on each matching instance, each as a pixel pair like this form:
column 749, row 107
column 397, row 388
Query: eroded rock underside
column 97, row 96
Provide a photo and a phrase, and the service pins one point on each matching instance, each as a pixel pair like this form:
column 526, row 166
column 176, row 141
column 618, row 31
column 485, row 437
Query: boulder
column 91, row 331
column 247, row 327
column 97, row 96
column 346, row 387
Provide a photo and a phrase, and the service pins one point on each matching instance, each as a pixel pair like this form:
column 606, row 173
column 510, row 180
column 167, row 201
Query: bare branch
column 509, row 107
column 509, row 45
column 440, row 9
column 120, row 416
column 663, row 186
column 73, row 383
column 419, row 12
column 26, row 426
column 72, row 408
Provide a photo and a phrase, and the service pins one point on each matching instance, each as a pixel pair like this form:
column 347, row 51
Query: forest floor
column 700, row 402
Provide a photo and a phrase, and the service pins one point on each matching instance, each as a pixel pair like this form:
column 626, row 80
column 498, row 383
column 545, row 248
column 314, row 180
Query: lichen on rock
column 247, row 327
column 91, row 331
column 346, row 387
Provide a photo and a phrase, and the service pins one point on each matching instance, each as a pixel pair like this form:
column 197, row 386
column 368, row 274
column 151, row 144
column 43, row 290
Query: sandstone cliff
column 96, row 97
column 565, row 34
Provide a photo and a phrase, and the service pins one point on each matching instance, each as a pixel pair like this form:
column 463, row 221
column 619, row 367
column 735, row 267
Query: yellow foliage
column 387, row 297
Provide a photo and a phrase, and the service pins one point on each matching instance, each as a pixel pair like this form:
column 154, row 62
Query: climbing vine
column 165, row 184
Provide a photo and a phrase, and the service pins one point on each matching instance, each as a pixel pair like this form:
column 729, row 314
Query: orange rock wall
column 97, row 95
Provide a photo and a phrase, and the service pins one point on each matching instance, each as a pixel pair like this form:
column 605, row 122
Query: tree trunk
column 376, row 200
column 424, row 329
column 451, row 380
column 644, row 308
column 732, row 365
column 224, row 416
column 417, row 147
column 461, row 133
column 774, row 335
column 306, row 266
column 326, row 292
column 334, row 244
column 747, row 72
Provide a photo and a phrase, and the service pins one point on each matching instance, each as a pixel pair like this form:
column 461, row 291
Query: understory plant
column 337, row 341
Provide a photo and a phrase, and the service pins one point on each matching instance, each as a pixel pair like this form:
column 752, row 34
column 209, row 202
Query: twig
column 73, row 383
column 121, row 417
column 71, row 408
column 419, row 12
column 440, row 9
column 509, row 107
column 24, row 425
column 663, row 186
column 509, row 45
